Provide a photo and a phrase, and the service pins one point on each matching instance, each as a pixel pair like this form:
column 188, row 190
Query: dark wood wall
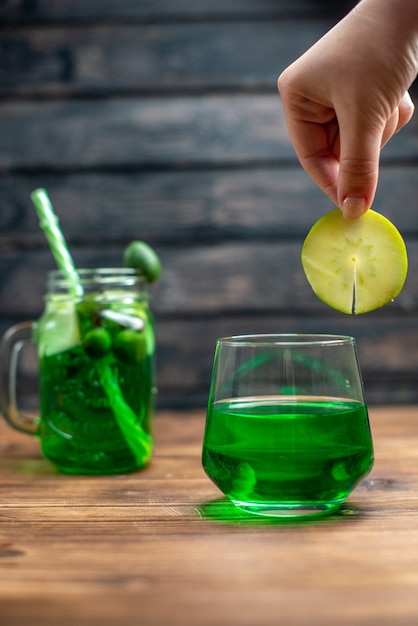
column 160, row 120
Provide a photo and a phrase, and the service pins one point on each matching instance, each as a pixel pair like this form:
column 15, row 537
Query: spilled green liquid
column 285, row 452
column 96, row 400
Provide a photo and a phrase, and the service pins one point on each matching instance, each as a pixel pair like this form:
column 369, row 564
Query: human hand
column 347, row 96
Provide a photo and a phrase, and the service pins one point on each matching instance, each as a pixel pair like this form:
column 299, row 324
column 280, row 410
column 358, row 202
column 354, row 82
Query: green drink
column 287, row 430
column 287, row 450
column 96, row 360
column 96, row 370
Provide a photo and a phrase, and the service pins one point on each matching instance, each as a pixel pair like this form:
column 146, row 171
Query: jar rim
column 98, row 279
column 99, row 271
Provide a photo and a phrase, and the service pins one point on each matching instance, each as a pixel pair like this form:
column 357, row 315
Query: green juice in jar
column 287, row 450
column 96, row 359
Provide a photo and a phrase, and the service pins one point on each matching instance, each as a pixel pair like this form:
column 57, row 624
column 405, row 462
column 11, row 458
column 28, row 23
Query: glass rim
column 286, row 339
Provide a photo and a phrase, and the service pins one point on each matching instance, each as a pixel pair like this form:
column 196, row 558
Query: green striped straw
column 49, row 223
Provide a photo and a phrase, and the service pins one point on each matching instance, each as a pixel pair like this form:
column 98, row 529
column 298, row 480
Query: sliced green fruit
column 355, row 266
column 141, row 256
column 58, row 328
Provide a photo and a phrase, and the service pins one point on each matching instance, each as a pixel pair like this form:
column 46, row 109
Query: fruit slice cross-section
column 355, row 266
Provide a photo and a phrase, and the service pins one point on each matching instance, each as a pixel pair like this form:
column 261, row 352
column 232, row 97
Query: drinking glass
column 287, row 429
column 96, row 372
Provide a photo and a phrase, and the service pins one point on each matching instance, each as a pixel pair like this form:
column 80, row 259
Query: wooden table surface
column 161, row 546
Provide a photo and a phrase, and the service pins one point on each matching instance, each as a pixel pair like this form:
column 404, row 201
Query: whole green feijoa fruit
column 97, row 342
column 130, row 345
column 141, row 256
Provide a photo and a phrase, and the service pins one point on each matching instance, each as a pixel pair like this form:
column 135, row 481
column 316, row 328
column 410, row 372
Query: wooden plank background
column 161, row 121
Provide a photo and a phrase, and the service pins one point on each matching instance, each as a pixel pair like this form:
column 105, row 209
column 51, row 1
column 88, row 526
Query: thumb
column 359, row 168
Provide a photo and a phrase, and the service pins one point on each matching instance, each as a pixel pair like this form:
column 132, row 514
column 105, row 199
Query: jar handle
column 12, row 343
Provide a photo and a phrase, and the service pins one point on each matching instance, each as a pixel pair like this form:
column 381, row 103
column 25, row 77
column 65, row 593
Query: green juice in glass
column 286, row 451
column 96, row 382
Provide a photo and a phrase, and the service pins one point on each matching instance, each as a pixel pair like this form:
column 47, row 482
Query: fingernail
column 353, row 208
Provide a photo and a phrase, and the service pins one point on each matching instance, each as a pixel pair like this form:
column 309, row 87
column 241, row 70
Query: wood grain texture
column 162, row 546
column 165, row 10
column 228, row 277
column 191, row 206
column 199, row 131
column 147, row 133
column 157, row 58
